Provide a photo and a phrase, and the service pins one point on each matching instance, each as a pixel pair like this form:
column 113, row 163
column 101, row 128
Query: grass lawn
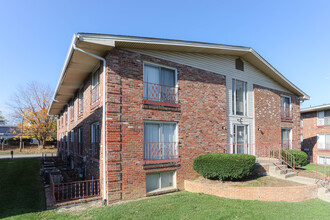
column 184, row 205
column 21, row 190
column 32, row 149
column 320, row 168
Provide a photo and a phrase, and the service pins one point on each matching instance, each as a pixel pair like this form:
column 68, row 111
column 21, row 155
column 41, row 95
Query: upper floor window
column 95, row 140
column 323, row 118
column 80, row 101
column 96, row 86
column 323, row 141
column 239, row 97
column 286, row 107
column 72, row 110
column 160, row 140
column 159, row 84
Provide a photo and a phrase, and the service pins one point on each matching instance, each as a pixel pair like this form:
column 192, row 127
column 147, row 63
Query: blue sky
column 292, row 35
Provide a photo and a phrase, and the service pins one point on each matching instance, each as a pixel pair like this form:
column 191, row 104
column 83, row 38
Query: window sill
column 146, row 162
column 323, row 126
column 162, row 191
column 168, row 104
column 96, row 104
column 286, row 119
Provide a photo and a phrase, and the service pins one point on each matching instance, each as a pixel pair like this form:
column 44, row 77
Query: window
column 95, row 140
column 323, row 118
column 301, row 120
column 323, row 141
column 161, row 181
column 159, row 84
column 80, row 141
column 67, row 142
column 239, row 97
column 80, row 101
column 72, row 141
column 160, row 140
column 239, row 64
column 72, row 110
column 286, row 138
column 323, row 160
column 96, row 86
column 286, row 107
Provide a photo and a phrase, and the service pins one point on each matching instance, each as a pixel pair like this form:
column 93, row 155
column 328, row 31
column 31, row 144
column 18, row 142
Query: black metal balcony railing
column 286, row 113
column 160, row 150
column 160, row 93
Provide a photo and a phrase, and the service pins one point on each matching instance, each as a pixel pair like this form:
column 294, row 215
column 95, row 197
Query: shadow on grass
column 21, row 190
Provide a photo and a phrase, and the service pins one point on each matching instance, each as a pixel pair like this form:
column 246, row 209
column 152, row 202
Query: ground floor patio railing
column 74, row 190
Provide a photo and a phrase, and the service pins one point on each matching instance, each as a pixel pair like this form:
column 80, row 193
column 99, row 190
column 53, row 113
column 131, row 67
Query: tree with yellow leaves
column 30, row 106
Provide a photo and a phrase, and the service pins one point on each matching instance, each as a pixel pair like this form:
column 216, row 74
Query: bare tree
column 2, row 119
column 30, row 106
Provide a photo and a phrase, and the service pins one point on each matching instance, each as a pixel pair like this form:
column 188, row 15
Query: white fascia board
column 63, row 71
column 304, row 96
column 315, row 108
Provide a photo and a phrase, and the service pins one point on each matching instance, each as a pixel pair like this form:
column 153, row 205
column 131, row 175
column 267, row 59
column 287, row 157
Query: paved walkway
column 322, row 192
column 16, row 156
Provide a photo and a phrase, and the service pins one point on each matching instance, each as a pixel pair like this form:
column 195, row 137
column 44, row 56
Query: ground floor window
column 286, row 138
column 324, row 160
column 160, row 140
column 80, row 141
column 240, row 142
column 323, row 141
column 161, row 181
column 95, row 140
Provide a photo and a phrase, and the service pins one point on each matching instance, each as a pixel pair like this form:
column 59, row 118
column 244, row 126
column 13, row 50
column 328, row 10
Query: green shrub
column 15, row 141
column 223, row 166
column 301, row 157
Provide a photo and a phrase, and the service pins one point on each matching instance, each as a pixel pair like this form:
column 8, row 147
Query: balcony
column 156, row 94
column 160, row 152
column 286, row 113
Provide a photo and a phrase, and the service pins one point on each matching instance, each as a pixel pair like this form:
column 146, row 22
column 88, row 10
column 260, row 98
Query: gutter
column 74, row 46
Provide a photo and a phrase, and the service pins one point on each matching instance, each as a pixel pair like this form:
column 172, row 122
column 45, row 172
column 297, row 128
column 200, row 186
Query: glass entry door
column 240, row 143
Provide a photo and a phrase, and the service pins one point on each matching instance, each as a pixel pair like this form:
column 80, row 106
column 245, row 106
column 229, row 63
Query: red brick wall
column 90, row 115
column 267, row 104
column 200, row 117
column 281, row 194
column 310, row 131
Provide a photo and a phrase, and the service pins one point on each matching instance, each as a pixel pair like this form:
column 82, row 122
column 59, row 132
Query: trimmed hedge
column 300, row 156
column 224, row 166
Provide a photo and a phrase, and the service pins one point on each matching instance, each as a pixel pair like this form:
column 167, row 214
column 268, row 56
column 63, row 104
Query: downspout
column 103, row 117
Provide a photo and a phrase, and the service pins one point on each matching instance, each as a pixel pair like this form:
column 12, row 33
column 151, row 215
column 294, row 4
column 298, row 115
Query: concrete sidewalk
column 322, row 194
column 17, row 156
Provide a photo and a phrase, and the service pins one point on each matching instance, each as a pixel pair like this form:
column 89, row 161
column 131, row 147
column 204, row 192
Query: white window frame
column 160, row 182
column 160, row 66
column 160, row 132
column 324, row 158
column 319, row 145
column 290, row 136
column 290, row 105
column 233, row 97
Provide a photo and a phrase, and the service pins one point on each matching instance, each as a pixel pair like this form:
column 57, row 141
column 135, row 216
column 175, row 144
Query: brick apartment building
column 315, row 122
column 156, row 104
